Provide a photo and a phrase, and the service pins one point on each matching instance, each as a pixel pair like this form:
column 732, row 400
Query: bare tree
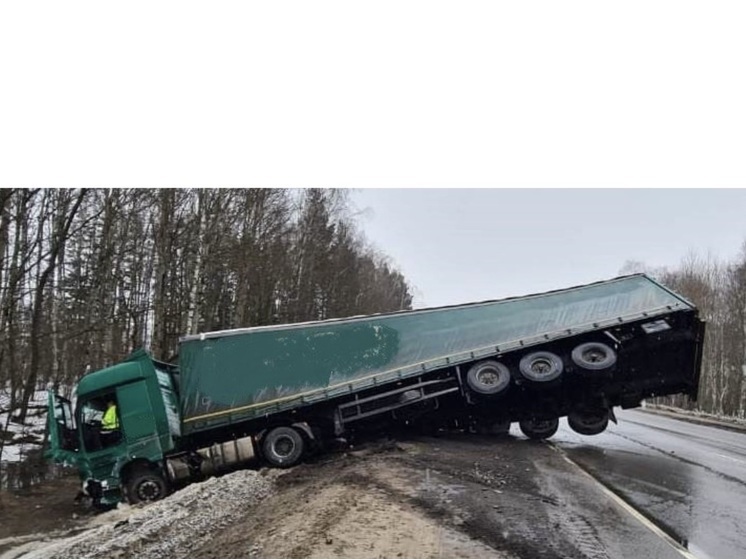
column 64, row 205
column 87, row 276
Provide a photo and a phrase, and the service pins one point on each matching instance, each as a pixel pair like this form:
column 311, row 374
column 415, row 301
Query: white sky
column 394, row 92
column 405, row 93
column 461, row 245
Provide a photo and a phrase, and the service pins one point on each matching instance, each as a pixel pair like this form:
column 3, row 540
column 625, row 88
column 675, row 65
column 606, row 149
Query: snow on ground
column 169, row 528
column 19, row 439
column 697, row 416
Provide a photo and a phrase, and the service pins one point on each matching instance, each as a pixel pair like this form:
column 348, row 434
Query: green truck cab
column 146, row 405
column 271, row 393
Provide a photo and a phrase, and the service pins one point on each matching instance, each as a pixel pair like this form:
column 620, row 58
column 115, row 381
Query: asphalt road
column 689, row 479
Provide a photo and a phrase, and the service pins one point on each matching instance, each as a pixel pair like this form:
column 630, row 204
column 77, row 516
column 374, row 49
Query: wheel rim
column 283, row 446
column 541, row 367
column 594, row 355
column 488, row 377
column 148, row 490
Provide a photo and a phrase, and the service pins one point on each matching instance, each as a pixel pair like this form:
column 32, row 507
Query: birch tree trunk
column 59, row 236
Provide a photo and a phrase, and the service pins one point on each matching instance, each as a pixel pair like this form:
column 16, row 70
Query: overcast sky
column 405, row 93
column 461, row 245
column 363, row 94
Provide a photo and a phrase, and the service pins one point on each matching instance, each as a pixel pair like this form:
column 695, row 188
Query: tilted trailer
column 270, row 393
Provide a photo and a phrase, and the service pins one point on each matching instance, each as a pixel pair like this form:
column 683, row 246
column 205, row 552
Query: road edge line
column 632, row 511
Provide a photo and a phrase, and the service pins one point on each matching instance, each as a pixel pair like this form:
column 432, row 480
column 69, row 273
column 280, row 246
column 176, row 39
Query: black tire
column 488, row 377
column 283, row 447
column 594, row 357
column 541, row 367
column 539, row 429
column 145, row 486
column 589, row 423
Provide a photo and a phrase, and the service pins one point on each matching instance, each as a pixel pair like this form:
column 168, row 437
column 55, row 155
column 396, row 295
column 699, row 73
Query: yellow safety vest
column 110, row 421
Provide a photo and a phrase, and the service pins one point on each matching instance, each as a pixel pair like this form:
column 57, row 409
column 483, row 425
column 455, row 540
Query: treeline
column 718, row 288
column 86, row 276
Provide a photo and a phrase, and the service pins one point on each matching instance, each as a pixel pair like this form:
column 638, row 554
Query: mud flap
column 305, row 428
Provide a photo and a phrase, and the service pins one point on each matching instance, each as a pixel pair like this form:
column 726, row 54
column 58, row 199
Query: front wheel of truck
column 283, row 447
column 145, row 486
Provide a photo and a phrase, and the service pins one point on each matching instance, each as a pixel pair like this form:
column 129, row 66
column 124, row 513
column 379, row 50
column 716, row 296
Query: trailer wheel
column 283, row 447
column 145, row 486
column 537, row 429
column 589, row 423
column 541, row 367
column 488, row 377
column 594, row 356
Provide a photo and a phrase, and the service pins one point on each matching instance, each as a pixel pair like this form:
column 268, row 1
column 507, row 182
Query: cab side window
column 99, row 418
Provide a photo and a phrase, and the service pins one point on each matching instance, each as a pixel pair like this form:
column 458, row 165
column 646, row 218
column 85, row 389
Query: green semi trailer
column 270, row 394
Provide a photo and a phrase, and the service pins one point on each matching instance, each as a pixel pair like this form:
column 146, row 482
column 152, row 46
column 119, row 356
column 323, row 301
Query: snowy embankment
column 173, row 527
column 18, row 439
column 696, row 416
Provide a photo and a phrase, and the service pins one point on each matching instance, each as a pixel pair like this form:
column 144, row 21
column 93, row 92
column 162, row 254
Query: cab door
column 63, row 437
column 137, row 413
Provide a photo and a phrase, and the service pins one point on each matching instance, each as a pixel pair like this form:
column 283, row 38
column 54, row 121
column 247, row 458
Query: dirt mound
column 356, row 506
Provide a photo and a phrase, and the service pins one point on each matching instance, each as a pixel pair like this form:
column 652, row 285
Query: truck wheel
column 589, row 423
column 283, row 447
column 488, row 377
column 594, row 356
column 538, row 429
column 145, row 486
column 541, row 367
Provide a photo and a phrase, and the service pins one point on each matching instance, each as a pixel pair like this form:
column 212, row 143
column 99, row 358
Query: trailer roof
column 674, row 298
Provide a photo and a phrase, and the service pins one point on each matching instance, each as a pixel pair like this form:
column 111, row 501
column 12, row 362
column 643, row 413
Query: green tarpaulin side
column 250, row 369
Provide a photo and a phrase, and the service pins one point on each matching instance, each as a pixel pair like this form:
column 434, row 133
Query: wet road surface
column 690, row 479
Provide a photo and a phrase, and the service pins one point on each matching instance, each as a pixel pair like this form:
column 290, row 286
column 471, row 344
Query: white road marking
column 731, row 458
column 684, row 552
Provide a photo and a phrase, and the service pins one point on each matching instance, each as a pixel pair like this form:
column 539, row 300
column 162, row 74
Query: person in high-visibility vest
column 110, row 422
